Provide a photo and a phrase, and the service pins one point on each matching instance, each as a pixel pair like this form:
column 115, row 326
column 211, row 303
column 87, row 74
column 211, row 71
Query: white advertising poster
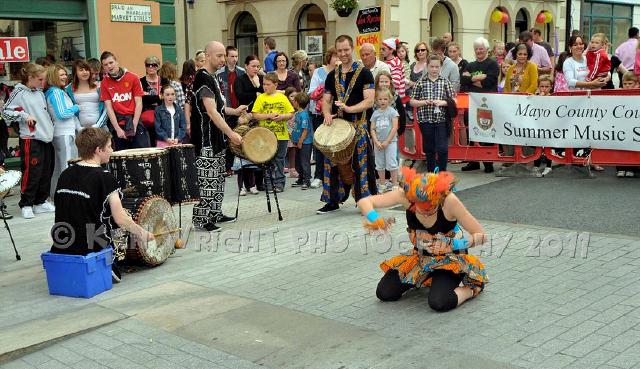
column 601, row 122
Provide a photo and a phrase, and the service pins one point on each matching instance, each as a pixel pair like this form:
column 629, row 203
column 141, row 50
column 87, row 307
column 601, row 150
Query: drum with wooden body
column 155, row 215
column 183, row 173
column 259, row 144
column 146, row 170
column 336, row 141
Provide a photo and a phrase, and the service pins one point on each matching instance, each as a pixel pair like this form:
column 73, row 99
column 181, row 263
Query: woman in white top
column 85, row 92
column 575, row 68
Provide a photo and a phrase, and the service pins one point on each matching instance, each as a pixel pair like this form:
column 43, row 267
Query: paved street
column 557, row 298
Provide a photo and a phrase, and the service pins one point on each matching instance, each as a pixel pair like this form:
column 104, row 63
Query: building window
column 311, row 33
column 441, row 20
column 246, row 36
column 522, row 22
column 614, row 20
column 59, row 41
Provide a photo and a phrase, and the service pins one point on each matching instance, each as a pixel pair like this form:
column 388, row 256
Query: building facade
column 70, row 29
column 290, row 22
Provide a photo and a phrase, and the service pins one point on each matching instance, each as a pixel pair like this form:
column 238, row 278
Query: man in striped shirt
column 389, row 55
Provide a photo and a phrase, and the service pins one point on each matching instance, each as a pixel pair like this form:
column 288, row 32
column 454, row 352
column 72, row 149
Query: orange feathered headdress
column 425, row 190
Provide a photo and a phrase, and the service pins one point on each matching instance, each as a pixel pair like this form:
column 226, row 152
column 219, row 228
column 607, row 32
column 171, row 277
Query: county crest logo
column 484, row 116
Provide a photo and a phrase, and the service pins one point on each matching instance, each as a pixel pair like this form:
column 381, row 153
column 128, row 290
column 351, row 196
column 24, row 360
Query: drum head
column 260, row 145
column 156, row 216
column 132, row 153
column 334, row 137
column 8, row 179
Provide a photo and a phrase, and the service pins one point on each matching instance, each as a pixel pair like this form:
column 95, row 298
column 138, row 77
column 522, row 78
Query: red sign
column 14, row 49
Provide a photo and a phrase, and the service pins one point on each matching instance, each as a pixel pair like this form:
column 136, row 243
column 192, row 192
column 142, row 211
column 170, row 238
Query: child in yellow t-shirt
column 273, row 109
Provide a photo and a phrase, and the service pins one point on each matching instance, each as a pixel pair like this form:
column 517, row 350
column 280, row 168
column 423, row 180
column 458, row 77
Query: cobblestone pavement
column 555, row 300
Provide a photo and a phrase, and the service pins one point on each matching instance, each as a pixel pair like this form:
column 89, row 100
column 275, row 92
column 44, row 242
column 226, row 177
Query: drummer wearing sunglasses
column 83, row 224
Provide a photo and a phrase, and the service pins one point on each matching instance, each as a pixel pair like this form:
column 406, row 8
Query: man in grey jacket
column 449, row 69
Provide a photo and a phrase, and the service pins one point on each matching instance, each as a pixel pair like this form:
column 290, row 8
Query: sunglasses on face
column 151, row 65
column 421, row 50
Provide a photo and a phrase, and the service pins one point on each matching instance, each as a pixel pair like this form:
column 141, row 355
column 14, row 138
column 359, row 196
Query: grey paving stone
column 586, row 345
column 557, row 361
column 37, row 358
column 539, row 338
column 595, row 359
column 581, row 330
column 17, row 364
column 622, row 342
column 630, row 358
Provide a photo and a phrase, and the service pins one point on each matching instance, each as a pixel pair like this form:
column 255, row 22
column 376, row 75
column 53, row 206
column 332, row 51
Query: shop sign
column 369, row 19
column 130, row 13
column 370, row 24
column 14, row 49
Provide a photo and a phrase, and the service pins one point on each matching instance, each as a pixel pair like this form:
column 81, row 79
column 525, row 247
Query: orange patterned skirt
column 416, row 268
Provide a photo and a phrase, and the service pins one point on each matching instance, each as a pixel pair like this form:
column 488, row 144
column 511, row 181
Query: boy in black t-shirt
column 87, row 198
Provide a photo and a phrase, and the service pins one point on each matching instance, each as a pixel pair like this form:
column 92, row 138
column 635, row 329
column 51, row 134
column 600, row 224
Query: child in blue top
column 169, row 119
column 302, row 138
column 384, row 134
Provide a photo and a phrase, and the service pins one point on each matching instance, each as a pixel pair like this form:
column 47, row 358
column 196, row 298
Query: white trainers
column 316, row 183
column 254, row 190
column 389, row 187
column 45, row 207
column 546, row 171
column 27, row 212
column 620, row 173
column 243, row 192
column 630, row 174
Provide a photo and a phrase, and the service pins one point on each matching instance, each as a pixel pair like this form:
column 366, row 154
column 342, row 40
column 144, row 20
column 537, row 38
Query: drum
column 259, row 144
column 184, row 177
column 336, row 141
column 155, row 215
column 142, row 172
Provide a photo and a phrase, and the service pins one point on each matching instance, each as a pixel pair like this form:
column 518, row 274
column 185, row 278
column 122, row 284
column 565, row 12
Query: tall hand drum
column 155, row 215
column 184, row 179
column 8, row 179
column 336, row 141
column 147, row 170
column 259, row 144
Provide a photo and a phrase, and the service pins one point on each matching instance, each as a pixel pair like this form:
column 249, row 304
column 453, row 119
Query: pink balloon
column 505, row 18
column 541, row 18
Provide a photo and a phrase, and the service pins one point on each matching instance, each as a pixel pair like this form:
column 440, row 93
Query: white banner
column 602, row 122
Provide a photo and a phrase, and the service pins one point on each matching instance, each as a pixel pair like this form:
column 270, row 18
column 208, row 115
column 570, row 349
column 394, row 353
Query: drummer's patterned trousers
column 211, row 171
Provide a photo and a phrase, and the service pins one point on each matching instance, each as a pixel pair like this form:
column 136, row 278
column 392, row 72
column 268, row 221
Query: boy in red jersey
column 122, row 95
column 598, row 60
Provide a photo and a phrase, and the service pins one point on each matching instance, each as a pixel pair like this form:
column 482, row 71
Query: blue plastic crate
column 77, row 275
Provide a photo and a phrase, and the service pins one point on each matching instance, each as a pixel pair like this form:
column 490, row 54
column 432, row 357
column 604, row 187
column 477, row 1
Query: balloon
column 548, row 17
column 541, row 18
column 496, row 16
column 505, row 18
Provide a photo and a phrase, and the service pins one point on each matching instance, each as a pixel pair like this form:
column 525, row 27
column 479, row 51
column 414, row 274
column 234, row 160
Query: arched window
column 311, row 33
column 441, row 20
column 246, row 36
column 522, row 22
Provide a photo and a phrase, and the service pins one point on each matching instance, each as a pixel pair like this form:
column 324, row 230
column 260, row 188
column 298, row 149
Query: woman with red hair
column 439, row 258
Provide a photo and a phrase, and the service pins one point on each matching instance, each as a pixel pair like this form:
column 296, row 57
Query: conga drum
column 144, row 170
column 183, row 173
column 155, row 215
column 337, row 142
column 259, row 144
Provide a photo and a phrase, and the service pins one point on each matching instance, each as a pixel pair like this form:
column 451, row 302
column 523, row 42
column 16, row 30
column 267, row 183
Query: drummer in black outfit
column 208, row 131
column 87, row 201
column 351, row 100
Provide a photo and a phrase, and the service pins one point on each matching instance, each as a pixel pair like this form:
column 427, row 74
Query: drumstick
column 167, row 232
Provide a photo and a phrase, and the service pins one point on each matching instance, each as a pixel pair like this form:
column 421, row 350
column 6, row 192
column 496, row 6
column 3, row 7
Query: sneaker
column 116, row 277
column 620, row 174
column 279, row 189
column 388, row 186
column 630, row 174
column 296, row 184
column 328, row 208
column 546, row 171
column 286, row 170
column 254, row 190
column 209, row 227
column 293, row 174
column 381, row 188
column 225, row 219
column 45, row 207
column 27, row 212
column 579, row 153
column 316, row 183
column 243, row 192
column 305, row 186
